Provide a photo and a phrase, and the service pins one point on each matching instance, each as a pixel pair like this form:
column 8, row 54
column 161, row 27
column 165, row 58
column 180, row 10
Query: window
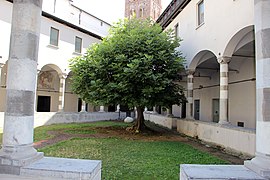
column 176, row 30
column 78, row 44
column 132, row 13
column 141, row 13
column 54, row 36
column 200, row 13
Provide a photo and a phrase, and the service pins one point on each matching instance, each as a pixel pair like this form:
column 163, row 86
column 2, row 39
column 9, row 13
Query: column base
column 260, row 164
column 223, row 122
column 19, row 155
column 19, row 162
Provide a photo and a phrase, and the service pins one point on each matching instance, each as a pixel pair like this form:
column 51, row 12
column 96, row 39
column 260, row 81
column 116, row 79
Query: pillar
column 83, row 107
column 155, row 109
column 169, row 112
column 101, row 109
column 61, row 104
column 261, row 163
column 223, row 92
column 36, row 88
column 1, row 66
column 145, row 109
column 118, row 108
column 17, row 146
column 190, row 81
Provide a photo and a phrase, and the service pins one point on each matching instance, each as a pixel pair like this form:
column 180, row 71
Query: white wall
column 223, row 18
column 57, row 57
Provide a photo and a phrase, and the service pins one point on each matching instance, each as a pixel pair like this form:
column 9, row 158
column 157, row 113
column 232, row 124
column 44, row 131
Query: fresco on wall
column 45, row 80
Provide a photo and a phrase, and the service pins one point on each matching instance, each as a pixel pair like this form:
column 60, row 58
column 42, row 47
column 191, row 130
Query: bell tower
column 143, row 9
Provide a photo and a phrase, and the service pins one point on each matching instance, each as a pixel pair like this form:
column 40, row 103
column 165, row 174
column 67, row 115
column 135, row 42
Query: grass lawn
column 124, row 158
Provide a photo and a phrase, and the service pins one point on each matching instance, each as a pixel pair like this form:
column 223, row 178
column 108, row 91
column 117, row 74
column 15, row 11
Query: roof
column 170, row 13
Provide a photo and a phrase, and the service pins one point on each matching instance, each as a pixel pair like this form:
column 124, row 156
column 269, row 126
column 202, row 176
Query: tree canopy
column 137, row 65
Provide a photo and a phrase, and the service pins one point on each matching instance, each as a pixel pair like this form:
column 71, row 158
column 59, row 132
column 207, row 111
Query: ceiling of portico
column 246, row 52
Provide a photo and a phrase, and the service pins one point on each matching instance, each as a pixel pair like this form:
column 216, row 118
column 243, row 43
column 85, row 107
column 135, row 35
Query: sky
column 107, row 10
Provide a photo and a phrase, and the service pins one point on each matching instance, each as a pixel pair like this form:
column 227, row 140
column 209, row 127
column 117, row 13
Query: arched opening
column 205, row 86
column 242, row 78
column 48, row 84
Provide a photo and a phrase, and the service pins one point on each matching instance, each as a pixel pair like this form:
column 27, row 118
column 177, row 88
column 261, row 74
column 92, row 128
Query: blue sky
column 108, row 10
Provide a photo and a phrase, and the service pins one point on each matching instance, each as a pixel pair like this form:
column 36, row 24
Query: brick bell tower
column 143, row 8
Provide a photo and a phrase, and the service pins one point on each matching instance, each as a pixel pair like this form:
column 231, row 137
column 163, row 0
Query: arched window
column 141, row 12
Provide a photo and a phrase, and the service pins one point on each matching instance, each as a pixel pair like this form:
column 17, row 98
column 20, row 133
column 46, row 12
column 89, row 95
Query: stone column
column 17, row 147
column 83, row 107
column 118, row 108
column 155, row 110
column 1, row 66
column 190, row 81
column 169, row 112
column 101, row 109
column 261, row 163
column 36, row 88
column 61, row 104
column 145, row 109
column 223, row 97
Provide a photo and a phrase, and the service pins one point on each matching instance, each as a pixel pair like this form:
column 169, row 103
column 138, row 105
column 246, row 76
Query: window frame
column 176, row 30
column 81, row 42
column 200, row 19
column 51, row 38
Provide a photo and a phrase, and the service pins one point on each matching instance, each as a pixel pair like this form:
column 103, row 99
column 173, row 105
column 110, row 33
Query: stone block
column 58, row 169
column 217, row 172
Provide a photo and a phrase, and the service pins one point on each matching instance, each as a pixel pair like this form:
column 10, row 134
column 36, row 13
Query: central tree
column 136, row 65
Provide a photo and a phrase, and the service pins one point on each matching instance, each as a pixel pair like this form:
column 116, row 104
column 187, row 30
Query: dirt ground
column 156, row 134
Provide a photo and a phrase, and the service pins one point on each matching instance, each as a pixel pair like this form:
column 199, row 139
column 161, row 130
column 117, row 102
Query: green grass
column 121, row 158
column 40, row 133
column 127, row 159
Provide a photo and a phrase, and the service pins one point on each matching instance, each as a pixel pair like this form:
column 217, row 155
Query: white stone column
column 145, row 109
column 17, row 147
column 101, row 109
column 223, row 97
column 83, row 107
column 36, row 88
column 154, row 110
column 169, row 112
column 61, row 104
column 118, row 108
column 190, row 81
column 1, row 66
column 261, row 163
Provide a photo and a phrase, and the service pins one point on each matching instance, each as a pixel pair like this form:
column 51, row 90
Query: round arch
column 54, row 67
column 241, row 38
column 200, row 57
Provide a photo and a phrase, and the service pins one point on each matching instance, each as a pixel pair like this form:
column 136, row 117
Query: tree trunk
column 139, row 126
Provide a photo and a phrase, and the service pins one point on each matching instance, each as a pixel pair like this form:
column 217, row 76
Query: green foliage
column 133, row 159
column 136, row 65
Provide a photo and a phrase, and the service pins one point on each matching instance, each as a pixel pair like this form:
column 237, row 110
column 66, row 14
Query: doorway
column 44, row 104
column 197, row 109
column 215, row 111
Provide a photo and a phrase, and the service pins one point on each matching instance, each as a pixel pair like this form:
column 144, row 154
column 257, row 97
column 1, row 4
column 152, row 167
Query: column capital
column 190, row 71
column 62, row 75
column 1, row 65
column 224, row 59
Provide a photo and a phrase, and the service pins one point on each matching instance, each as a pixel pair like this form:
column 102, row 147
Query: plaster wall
column 240, row 140
column 65, row 50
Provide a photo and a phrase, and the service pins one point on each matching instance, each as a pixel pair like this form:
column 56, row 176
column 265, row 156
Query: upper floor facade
column 66, row 32
column 218, row 26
